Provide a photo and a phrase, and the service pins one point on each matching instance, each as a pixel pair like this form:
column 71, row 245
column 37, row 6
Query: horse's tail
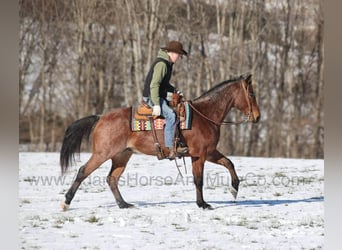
column 73, row 137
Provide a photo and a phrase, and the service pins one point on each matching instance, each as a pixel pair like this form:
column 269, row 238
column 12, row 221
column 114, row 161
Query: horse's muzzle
column 254, row 117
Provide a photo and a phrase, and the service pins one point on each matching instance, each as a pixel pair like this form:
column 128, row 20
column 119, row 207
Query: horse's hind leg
column 93, row 163
column 218, row 158
column 119, row 163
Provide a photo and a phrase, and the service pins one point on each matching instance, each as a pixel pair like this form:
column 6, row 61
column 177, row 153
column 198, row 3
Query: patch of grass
column 179, row 227
column 57, row 226
column 243, row 222
column 216, row 218
column 174, row 194
column 69, row 219
column 35, row 225
column 93, row 219
column 35, row 217
column 147, row 232
column 306, row 223
column 25, row 201
column 279, row 174
column 275, row 224
column 60, row 221
column 254, row 227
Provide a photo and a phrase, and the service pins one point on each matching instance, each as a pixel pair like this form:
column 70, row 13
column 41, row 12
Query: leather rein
column 229, row 122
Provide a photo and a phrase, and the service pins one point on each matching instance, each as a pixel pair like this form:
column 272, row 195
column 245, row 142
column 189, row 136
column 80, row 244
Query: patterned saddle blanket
column 143, row 124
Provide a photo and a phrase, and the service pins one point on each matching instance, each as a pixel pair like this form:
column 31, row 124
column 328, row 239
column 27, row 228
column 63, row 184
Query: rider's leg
column 170, row 123
column 169, row 130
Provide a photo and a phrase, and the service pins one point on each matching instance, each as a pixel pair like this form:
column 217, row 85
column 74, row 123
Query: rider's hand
column 156, row 110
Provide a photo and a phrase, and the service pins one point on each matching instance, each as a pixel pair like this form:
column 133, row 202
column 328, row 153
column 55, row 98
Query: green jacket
column 157, row 81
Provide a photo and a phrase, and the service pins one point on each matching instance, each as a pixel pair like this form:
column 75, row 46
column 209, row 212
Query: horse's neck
column 216, row 106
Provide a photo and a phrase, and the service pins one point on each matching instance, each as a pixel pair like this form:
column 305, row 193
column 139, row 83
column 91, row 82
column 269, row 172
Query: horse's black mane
column 216, row 88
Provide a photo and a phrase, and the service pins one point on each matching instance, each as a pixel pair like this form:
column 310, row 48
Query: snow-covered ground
column 280, row 205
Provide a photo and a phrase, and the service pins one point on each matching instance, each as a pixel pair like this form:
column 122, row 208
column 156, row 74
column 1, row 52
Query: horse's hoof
column 234, row 192
column 208, row 207
column 205, row 206
column 64, row 206
column 126, row 205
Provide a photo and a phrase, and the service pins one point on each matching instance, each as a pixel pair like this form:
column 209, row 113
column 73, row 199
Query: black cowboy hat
column 176, row 47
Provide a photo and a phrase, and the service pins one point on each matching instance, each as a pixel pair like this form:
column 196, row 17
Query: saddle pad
column 141, row 125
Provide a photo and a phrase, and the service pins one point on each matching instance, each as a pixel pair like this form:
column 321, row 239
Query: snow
column 280, row 205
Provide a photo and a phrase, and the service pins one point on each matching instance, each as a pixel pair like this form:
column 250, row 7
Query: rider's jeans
column 170, row 123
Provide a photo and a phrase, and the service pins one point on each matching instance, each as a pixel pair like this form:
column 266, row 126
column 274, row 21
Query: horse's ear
column 248, row 78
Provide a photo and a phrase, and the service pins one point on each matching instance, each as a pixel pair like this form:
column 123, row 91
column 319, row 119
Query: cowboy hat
column 176, row 47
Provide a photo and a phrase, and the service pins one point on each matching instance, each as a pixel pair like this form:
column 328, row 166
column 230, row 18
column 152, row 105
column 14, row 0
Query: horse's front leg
column 218, row 158
column 197, row 171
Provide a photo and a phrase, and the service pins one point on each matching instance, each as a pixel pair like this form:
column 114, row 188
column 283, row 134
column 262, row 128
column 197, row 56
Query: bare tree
column 135, row 38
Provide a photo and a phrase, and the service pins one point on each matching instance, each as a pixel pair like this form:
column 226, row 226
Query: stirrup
column 182, row 150
column 171, row 155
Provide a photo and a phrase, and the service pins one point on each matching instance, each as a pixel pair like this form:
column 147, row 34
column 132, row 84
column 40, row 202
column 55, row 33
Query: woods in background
column 83, row 57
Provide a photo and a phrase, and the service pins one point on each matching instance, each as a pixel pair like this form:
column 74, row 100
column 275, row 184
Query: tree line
column 83, row 57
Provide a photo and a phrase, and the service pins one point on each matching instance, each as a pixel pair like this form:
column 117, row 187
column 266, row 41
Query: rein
column 227, row 122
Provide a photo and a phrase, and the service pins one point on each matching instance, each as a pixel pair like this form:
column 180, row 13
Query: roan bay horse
column 113, row 138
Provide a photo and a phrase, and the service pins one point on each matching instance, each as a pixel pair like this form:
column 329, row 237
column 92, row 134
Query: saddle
column 144, row 111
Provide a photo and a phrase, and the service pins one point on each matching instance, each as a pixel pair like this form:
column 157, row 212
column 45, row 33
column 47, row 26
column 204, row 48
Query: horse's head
column 246, row 101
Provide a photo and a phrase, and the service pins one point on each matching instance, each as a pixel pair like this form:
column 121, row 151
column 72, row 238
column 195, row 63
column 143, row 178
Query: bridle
column 247, row 95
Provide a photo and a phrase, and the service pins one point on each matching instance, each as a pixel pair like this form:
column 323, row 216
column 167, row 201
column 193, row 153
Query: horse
column 113, row 139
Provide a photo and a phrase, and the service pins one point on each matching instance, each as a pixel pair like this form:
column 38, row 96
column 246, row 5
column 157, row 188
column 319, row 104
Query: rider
column 156, row 90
